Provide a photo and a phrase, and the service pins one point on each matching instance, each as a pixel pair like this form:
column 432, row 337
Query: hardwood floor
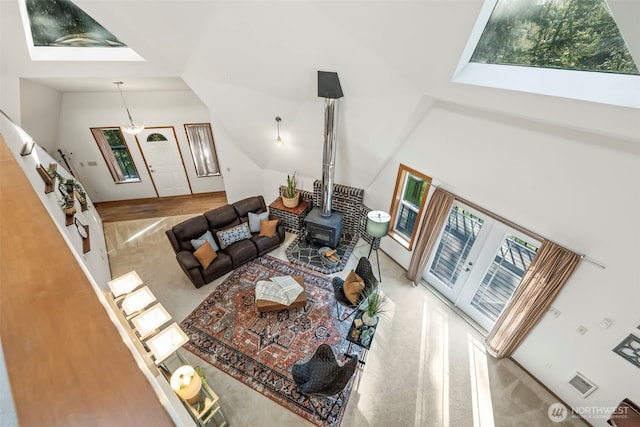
column 127, row 210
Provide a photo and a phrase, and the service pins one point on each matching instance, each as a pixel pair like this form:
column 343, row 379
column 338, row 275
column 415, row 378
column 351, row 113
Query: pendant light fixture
column 279, row 140
column 132, row 128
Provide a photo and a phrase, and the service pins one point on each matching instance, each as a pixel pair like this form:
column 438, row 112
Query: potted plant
column 290, row 195
column 373, row 308
column 69, row 206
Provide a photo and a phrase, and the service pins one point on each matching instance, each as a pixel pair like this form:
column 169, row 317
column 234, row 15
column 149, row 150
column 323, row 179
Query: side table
column 291, row 218
column 362, row 337
column 205, row 412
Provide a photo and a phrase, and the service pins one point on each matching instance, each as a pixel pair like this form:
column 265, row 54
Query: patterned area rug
column 260, row 350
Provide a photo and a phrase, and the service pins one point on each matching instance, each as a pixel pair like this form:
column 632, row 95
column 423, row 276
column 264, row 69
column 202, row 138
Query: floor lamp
column 377, row 227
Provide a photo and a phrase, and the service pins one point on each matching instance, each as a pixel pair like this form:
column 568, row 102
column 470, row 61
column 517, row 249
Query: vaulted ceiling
column 250, row 61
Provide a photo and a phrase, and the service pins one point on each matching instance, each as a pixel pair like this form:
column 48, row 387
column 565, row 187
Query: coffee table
column 264, row 306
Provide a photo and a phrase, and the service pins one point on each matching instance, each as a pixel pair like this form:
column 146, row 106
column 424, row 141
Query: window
column 565, row 48
column 116, row 154
column 570, row 34
column 202, row 149
column 60, row 31
column 408, row 202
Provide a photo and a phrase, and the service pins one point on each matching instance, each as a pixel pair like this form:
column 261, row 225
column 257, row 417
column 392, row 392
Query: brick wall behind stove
column 345, row 199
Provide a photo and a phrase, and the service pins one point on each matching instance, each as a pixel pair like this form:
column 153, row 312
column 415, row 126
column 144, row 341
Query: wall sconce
column 133, row 128
column 27, row 147
column 124, row 284
column 377, row 227
column 136, row 301
column 166, row 342
column 279, row 140
column 150, row 320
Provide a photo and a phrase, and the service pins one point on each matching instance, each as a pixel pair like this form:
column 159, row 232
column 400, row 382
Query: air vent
column 582, row 384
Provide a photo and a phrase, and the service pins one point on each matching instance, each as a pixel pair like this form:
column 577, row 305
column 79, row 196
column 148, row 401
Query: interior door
column 159, row 147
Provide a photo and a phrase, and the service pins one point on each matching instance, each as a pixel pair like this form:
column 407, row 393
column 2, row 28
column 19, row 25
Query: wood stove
column 323, row 226
column 323, row 230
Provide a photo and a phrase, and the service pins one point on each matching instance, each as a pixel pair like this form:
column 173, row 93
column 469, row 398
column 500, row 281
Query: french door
column 478, row 263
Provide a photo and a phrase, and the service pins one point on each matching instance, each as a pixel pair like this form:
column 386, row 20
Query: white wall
column 95, row 261
column 40, row 113
column 80, row 111
column 568, row 186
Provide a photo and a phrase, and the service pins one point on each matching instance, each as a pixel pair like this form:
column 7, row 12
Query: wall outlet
column 581, row 330
column 554, row 312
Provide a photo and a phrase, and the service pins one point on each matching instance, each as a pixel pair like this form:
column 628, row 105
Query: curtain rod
column 513, row 225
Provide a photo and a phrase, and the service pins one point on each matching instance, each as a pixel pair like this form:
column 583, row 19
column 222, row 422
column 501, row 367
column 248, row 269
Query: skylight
column 566, row 34
column 567, row 48
column 58, row 30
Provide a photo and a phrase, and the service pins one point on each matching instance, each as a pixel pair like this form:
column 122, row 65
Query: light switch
column 605, row 323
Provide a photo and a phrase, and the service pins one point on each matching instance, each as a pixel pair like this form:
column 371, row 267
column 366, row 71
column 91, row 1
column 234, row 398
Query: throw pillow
column 205, row 255
column 268, row 228
column 233, row 234
column 254, row 220
column 206, row 237
column 353, row 287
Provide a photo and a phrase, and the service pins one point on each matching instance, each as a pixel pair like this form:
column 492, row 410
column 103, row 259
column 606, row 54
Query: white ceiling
column 250, row 61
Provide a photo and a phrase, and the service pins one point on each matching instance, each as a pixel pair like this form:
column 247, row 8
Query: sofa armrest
column 280, row 231
column 173, row 240
column 188, row 260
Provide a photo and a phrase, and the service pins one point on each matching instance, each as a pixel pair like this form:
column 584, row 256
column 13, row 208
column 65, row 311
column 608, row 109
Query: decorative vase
column 291, row 202
column 187, row 384
column 369, row 320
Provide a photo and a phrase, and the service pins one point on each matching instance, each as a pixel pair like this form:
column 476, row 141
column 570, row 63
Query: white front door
column 478, row 263
column 159, row 147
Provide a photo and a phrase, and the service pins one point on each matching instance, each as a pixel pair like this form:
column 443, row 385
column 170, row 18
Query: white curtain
column 202, row 149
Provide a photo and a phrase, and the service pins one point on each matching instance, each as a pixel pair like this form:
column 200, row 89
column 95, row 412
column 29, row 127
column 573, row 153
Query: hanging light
column 133, row 128
column 279, row 140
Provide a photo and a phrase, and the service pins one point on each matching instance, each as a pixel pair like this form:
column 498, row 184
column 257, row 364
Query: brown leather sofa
column 230, row 257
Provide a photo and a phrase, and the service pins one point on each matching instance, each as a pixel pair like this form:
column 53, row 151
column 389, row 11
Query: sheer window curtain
column 549, row 271
column 202, row 149
column 107, row 153
column 434, row 219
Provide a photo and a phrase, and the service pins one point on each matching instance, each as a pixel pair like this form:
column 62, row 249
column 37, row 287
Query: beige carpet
column 427, row 366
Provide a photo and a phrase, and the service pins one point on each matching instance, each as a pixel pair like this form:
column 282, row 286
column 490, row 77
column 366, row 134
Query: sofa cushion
column 234, row 234
column 253, row 204
column 205, row 254
column 268, row 227
column 353, row 286
column 254, row 220
column 221, row 218
column 206, row 237
column 192, row 228
column 241, row 252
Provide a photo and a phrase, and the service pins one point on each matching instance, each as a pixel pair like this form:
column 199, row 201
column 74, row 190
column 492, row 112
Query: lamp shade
column 377, row 223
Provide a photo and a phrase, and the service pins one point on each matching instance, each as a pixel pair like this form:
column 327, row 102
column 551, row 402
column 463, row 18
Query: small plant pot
column 291, row 202
column 369, row 320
